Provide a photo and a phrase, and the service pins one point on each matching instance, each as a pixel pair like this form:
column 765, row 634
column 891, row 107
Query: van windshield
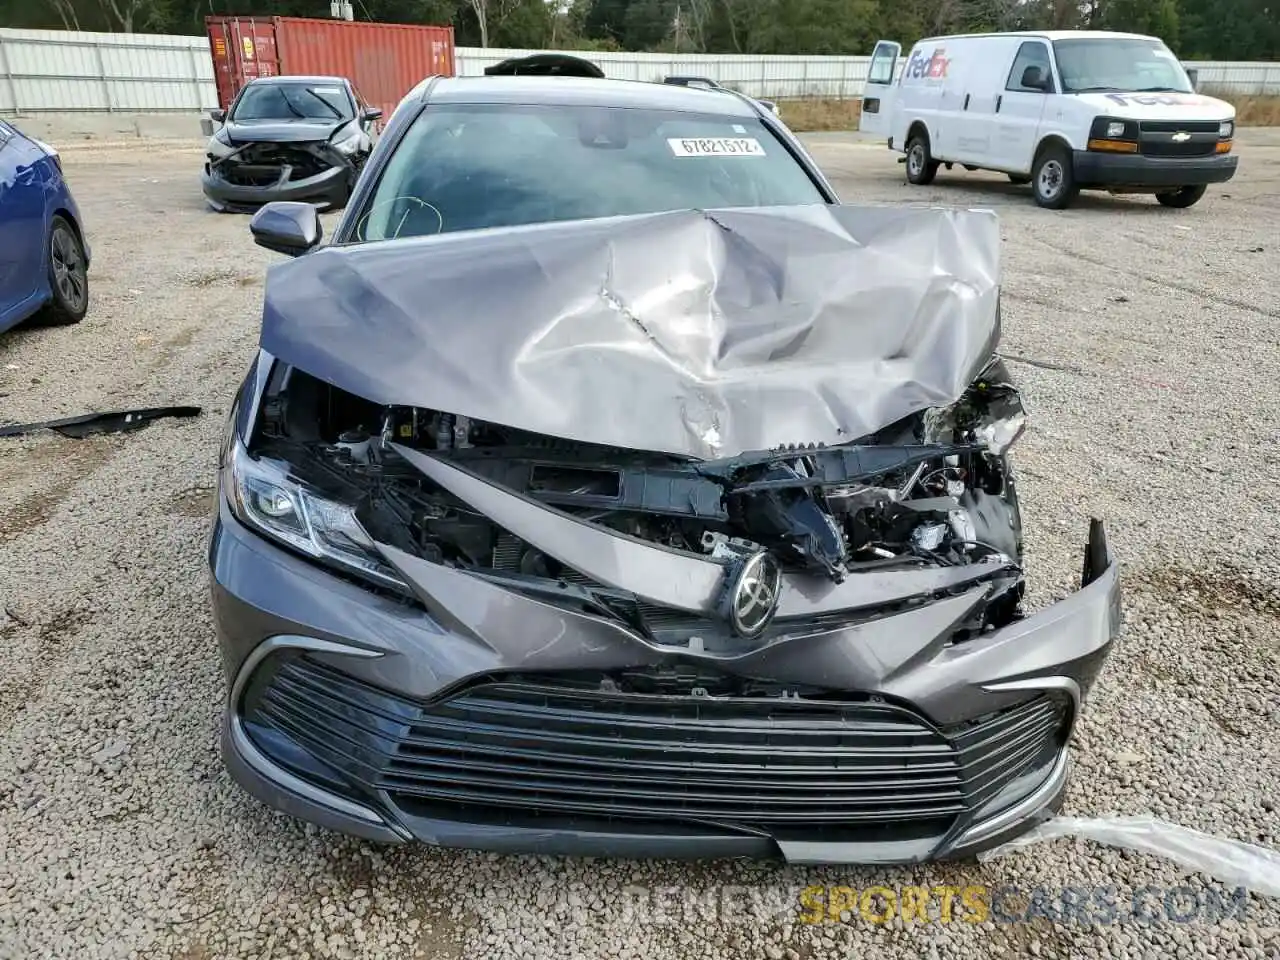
column 1113, row 64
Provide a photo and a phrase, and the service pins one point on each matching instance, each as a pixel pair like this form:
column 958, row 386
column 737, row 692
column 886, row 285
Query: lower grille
column 262, row 165
column 1199, row 138
column 1167, row 148
column 556, row 749
column 639, row 756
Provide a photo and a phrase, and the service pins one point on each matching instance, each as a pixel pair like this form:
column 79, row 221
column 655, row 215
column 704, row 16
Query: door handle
column 998, row 101
column 966, row 101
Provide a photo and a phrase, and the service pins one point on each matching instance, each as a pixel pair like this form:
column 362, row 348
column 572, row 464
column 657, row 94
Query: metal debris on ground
column 91, row 424
column 1228, row 861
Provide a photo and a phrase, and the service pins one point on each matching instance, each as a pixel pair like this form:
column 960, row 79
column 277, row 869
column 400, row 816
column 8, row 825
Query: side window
column 883, row 60
column 1031, row 71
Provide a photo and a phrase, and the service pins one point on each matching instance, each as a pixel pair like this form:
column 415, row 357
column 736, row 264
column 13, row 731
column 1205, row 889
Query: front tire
column 1053, row 178
column 1181, row 198
column 68, row 277
column 921, row 167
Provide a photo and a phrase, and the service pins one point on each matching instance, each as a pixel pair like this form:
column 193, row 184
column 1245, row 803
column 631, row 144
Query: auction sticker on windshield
column 715, row 147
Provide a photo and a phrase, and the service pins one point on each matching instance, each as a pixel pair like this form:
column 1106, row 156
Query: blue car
column 44, row 257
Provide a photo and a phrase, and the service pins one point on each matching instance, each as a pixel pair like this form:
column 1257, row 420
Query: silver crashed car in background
column 605, row 487
column 288, row 138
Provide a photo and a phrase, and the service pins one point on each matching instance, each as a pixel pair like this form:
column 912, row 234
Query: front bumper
column 327, row 190
column 1097, row 169
column 372, row 717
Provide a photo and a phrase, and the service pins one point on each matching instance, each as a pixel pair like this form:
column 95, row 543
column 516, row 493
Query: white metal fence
column 55, row 71
column 782, row 77
column 790, row 76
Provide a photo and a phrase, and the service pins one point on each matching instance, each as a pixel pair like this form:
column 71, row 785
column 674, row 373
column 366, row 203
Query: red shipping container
column 243, row 48
column 384, row 60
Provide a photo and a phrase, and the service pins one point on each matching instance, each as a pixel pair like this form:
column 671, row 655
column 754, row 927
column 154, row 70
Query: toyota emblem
column 753, row 598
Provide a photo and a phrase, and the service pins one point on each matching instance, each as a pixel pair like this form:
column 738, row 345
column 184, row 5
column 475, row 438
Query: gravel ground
column 1147, row 343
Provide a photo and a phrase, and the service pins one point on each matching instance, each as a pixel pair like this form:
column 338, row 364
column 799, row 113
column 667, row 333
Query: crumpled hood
column 698, row 333
column 281, row 131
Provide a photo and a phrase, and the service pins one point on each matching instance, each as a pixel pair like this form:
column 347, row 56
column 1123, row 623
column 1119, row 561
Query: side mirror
column 370, row 113
column 287, row 227
column 218, row 116
column 1034, row 78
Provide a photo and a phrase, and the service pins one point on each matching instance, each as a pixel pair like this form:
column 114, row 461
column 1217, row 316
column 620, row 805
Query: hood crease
column 694, row 333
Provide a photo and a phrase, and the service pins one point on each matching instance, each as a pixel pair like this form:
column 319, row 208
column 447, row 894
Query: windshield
column 1119, row 65
column 293, row 101
column 471, row 166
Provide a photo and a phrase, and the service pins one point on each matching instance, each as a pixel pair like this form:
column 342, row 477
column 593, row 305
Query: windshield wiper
column 292, row 109
column 1123, row 90
column 328, row 106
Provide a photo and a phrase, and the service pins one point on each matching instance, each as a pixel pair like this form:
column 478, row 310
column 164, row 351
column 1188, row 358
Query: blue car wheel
column 68, row 276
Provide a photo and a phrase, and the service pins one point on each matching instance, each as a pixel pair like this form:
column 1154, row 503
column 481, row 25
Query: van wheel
column 921, row 167
column 1019, row 179
column 1181, row 198
column 1053, row 179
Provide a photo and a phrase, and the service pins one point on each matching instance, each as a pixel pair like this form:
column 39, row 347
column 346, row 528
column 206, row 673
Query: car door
column 878, row 91
column 1020, row 107
column 22, row 224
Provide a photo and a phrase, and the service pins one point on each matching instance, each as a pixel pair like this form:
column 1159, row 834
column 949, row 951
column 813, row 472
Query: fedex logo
column 927, row 66
column 1159, row 100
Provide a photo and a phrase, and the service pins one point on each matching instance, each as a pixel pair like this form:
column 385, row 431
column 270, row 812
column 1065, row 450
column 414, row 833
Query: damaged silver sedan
column 302, row 139
column 653, row 506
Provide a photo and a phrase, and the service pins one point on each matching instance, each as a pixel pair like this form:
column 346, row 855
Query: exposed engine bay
column 934, row 489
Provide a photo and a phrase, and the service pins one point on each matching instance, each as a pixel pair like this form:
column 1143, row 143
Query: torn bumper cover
column 259, row 173
column 494, row 633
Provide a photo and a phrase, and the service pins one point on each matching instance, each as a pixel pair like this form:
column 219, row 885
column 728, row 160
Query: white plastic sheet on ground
column 1228, row 861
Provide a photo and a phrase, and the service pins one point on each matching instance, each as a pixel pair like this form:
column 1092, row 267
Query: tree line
column 1195, row 29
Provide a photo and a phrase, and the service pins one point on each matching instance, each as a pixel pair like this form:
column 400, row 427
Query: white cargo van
column 1063, row 110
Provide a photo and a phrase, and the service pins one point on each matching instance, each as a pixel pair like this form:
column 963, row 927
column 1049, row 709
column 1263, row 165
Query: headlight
column 52, row 153
column 219, row 145
column 263, row 496
column 44, row 146
column 1116, row 130
column 1226, row 128
column 348, row 144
